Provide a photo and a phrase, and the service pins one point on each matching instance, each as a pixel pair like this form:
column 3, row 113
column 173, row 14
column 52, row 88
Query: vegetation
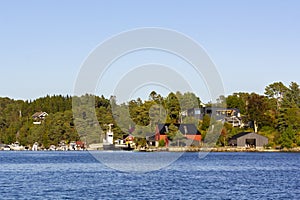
column 276, row 114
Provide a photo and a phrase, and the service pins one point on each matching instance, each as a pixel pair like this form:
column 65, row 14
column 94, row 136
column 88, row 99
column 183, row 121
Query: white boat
column 108, row 141
column 35, row 146
column 6, row 148
column 109, row 145
column 72, row 146
column 16, row 147
column 52, row 148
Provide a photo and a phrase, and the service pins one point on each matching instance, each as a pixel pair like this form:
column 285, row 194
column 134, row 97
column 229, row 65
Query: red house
column 189, row 131
column 80, row 145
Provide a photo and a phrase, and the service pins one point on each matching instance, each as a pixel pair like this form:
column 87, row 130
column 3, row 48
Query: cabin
column 38, row 117
column 248, row 140
column 188, row 131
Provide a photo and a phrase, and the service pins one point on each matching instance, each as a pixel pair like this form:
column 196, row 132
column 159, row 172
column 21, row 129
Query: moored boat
column 6, row 148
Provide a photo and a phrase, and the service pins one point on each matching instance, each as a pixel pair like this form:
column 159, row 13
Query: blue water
column 78, row 175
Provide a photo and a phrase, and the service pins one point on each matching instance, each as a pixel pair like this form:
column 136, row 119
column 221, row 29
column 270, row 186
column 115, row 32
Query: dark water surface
column 78, row 175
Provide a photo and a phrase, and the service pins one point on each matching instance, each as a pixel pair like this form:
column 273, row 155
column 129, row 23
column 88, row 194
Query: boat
column 35, row 146
column 52, row 148
column 6, row 148
column 128, row 147
column 72, row 146
column 119, row 145
column 127, row 144
column 110, row 147
column 16, row 146
column 108, row 140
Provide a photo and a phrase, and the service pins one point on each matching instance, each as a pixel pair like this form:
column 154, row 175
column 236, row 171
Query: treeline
column 276, row 114
column 16, row 123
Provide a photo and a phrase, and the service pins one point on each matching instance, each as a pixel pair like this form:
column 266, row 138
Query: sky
column 43, row 44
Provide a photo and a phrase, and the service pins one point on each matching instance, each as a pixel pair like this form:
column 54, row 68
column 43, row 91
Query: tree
column 277, row 114
column 155, row 97
column 157, row 115
column 179, row 139
column 223, row 137
column 205, row 122
column 221, row 101
column 287, row 138
column 239, row 101
column 293, row 118
column 141, row 142
column 173, row 108
column 276, row 91
column 293, row 96
column 161, row 143
column 289, row 118
column 256, row 109
column 188, row 100
column 172, row 132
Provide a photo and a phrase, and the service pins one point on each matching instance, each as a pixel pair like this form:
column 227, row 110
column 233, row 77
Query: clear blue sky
column 43, row 43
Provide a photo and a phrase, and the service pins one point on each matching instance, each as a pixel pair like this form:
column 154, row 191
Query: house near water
column 248, row 140
column 229, row 115
column 189, row 133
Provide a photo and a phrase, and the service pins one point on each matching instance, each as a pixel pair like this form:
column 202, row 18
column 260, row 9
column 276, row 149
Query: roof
column 243, row 134
column 39, row 114
column 186, row 129
column 239, row 135
column 128, row 137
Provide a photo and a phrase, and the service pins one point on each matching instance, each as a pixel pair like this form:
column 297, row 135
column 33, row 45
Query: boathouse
column 248, row 140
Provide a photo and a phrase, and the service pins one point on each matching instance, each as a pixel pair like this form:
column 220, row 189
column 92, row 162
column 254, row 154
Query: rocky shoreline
column 222, row 149
column 180, row 149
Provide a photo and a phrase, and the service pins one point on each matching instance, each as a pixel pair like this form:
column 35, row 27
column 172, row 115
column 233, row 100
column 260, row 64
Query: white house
column 38, row 117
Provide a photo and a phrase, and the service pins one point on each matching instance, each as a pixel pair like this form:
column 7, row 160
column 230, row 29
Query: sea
column 84, row 175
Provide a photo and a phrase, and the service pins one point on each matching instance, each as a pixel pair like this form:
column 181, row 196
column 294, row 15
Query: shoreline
column 226, row 149
column 185, row 149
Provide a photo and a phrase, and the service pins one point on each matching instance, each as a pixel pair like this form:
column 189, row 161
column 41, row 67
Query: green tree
column 256, row 108
column 173, row 108
column 172, row 132
column 188, row 100
column 179, row 139
column 239, row 101
column 205, row 122
column 161, row 143
column 141, row 142
column 287, row 138
column 293, row 96
column 276, row 91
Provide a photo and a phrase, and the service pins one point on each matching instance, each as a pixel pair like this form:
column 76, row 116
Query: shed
column 248, row 139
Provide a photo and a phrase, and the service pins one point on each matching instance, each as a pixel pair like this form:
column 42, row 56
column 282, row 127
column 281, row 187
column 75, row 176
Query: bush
column 161, row 143
column 287, row 138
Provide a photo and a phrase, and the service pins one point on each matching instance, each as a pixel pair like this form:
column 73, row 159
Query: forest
column 275, row 114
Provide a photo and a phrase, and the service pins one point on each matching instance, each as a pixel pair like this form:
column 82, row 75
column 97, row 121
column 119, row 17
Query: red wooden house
column 189, row 131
